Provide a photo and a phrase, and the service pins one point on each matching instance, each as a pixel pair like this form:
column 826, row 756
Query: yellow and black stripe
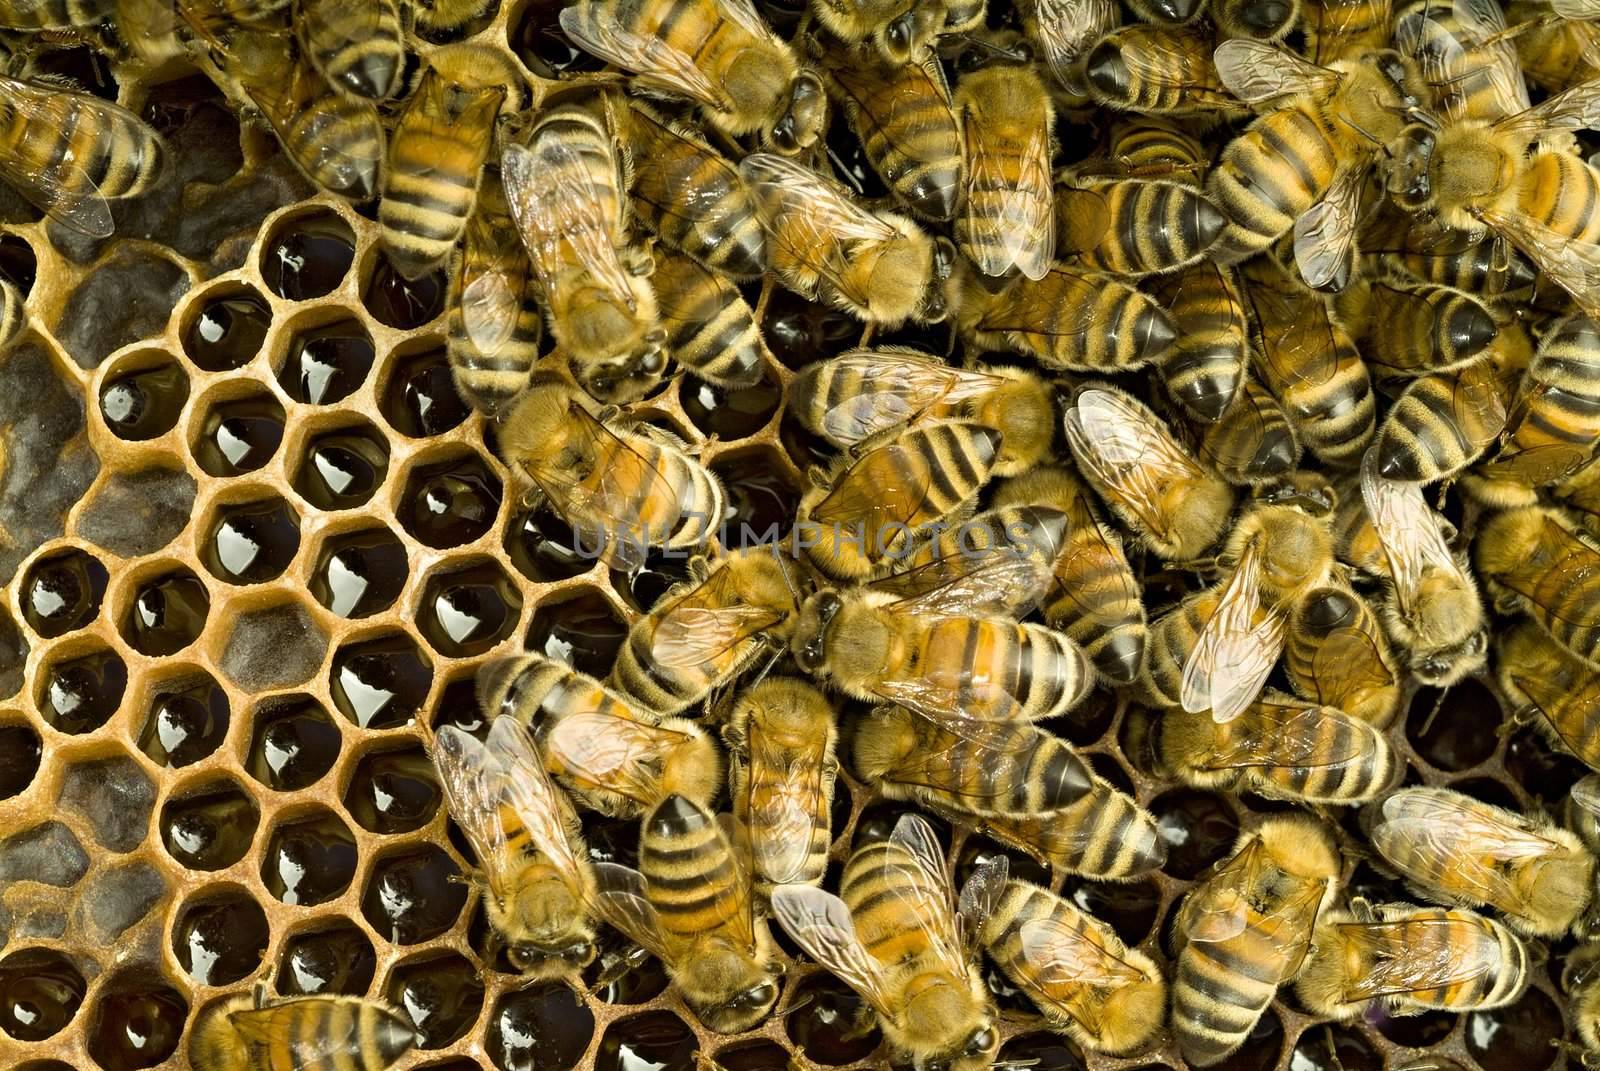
column 356, row 46
column 711, row 328
column 1151, row 225
column 907, row 127
column 76, row 142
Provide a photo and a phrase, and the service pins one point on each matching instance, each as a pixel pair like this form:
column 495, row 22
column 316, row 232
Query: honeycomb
column 257, row 547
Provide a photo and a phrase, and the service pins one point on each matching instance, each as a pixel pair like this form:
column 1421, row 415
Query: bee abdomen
column 1112, row 633
column 1268, row 176
column 687, row 867
column 1219, row 995
column 339, row 144
column 1424, row 438
column 694, row 199
column 357, row 47
column 638, row 673
column 1205, row 365
column 56, row 14
column 712, row 329
column 1154, row 227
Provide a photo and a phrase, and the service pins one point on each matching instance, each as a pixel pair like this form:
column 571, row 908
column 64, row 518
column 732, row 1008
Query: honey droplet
column 240, row 436
column 360, row 574
column 252, row 543
column 211, row 830
column 327, row 364
column 658, row 1040
column 442, row 996
column 79, row 695
column 393, row 792
column 138, row 1023
column 40, row 992
column 20, row 751
column 451, row 503
column 309, row 861
column 467, row 612
column 167, row 615
column 1198, row 829
column 583, row 631
column 415, row 896
column 545, row 1027
column 544, row 548
column 830, row 1022
column 327, row 961
column 729, row 414
column 343, row 469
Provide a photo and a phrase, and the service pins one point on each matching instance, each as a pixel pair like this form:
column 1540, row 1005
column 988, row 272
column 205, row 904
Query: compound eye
column 981, row 1042
column 758, row 996
column 783, row 135
column 899, row 35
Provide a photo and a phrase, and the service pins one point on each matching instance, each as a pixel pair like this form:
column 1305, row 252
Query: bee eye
column 783, row 135
column 522, row 957
column 758, row 996
column 899, row 34
column 981, row 1042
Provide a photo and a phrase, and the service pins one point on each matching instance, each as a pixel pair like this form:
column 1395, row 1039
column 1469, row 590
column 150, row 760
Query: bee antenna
column 1438, row 704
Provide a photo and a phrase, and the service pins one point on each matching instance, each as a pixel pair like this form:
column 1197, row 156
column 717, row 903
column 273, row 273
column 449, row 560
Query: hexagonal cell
column 342, row 468
column 210, row 827
column 830, row 1023
column 1455, row 729
column 48, row 853
column 339, row 960
column 761, row 498
column 1518, row 1037
column 467, row 611
column 19, row 759
column 1326, row 1047
column 1198, row 828
column 399, row 302
column 188, row 719
column 40, row 993
column 729, row 414
column 328, row 363
column 114, row 899
column 451, row 502
column 654, row 1039
column 414, row 894
column 393, row 791
column 581, row 628
column 1129, row 909
column 307, row 255
column 18, row 264
column 139, row 512
column 381, row 683
column 127, row 296
column 294, row 743
column 442, row 995
column 167, row 613
column 137, row 1022
column 227, row 329
column 1042, row 1052
column 251, row 542
column 418, row 395
column 545, row 1027
column 143, row 398
column 619, row 975
column 359, row 573
column 274, row 647
column 799, row 332
column 62, row 592
column 310, row 860
column 754, row 1056
column 543, row 547
column 239, row 435
column 220, row 937
column 80, row 692
column 1547, row 774
column 114, row 796
column 979, row 851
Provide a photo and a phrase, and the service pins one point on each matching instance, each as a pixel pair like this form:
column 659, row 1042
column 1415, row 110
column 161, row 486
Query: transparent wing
column 896, row 499
column 1406, row 528
column 1063, row 955
column 981, row 895
column 621, row 900
column 1438, row 833
column 1577, row 108
column 1586, row 793
column 1065, row 29
column 475, row 783
column 903, row 385
column 1576, row 9
column 658, row 66
column 1005, row 755
column 1126, row 448
column 531, row 793
column 1573, row 264
column 556, row 204
column 620, row 755
column 820, row 923
column 929, row 895
column 781, row 184
column 706, row 623
column 1215, row 912
column 784, row 813
column 1349, row 661
column 1255, row 72
column 64, row 192
column 1297, row 348
column 1103, row 579
column 1003, row 580
column 743, row 13
column 1235, row 652
column 1020, row 233
column 1459, row 45
column 1291, row 734
column 1404, row 958
column 1083, row 216
column 1325, row 234
column 491, row 295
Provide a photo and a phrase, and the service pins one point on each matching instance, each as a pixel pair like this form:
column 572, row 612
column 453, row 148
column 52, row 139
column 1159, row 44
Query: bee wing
column 1338, row 659
column 491, row 298
column 1066, row 28
column 1297, row 343
column 1095, row 587
column 1285, row 734
column 276, row 1029
column 854, row 502
column 1084, row 217
column 1577, row 108
column 1233, row 654
column 744, row 14
column 820, row 923
column 999, row 756
column 1256, row 72
column 930, row 896
column 904, row 386
column 1586, row 793
column 623, row 755
column 529, row 790
column 657, row 66
column 1551, row 593
column 552, row 206
column 1021, row 233
column 949, row 706
column 706, row 623
column 782, row 817
column 1406, row 528
column 1396, row 966
column 1004, row 580
column 621, row 900
column 1121, row 444
column 980, row 896
column 1063, row 955
column 66, row 194
column 1325, row 234
column 1472, row 46
column 1572, row 263
column 1217, row 912
column 1577, row 10
column 1482, row 397
column 475, row 783
column 741, row 925
column 1443, row 836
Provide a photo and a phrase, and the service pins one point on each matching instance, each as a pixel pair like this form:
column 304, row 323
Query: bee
column 879, row 266
column 1431, row 609
column 438, row 150
column 1172, row 502
column 1245, row 931
column 692, row 197
column 895, row 937
column 781, row 741
column 1337, row 29
column 1279, row 748
column 704, row 632
column 710, row 327
column 70, row 154
column 1410, row 329
column 1007, row 223
column 1409, row 960
column 1205, row 365
column 622, row 491
column 1105, row 835
column 1454, row 849
column 1154, row 70
column 495, row 323
column 1255, row 20
column 1076, row 970
column 717, row 54
column 1536, row 561
column 251, row 1031
column 1094, row 597
column 526, row 835
column 1484, row 265
column 1558, row 415
column 1464, row 55
column 1062, row 32
column 1335, row 654
column 1070, row 319
column 1252, row 442
column 41, row 15
column 1554, row 690
column 565, row 182
column 691, row 905
column 1135, row 226
column 612, row 755
column 1579, row 979
column 1554, row 54
column 981, row 554
column 861, row 393
column 872, row 507
column 900, row 33
column 447, row 16
column 358, row 48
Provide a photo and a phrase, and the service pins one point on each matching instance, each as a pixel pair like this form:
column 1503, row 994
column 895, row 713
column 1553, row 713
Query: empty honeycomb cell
column 250, row 542
column 342, row 468
column 1130, row 909
column 187, row 719
column 45, row 1065
column 227, row 326
column 545, row 1027
column 800, row 332
column 1261, row 1047
column 293, row 742
column 1112, row 771
column 1041, row 1052
column 1455, row 729
column 1327, row 1047
column 167, row 612
column 307, row 254
column 79, row 691
column 761, row 498
column 48, row 853
column 359, row 573
column 418, row 395
column 753, row 1056
column 40, row 993
column 310, row 860
column 449, row 502
column 20, row 751
column 579, row 627
column 396, row 301
column 442, row 994
column 137, row 1022
column 323, row 960
column 239, row 431
column 877, row 822
column 543, row 547
column 210, row 826
column 126, row 297
column 621, row 974
column 62, row 592
column 275, row 646
column 829, row 1022
column 1089, row 720
column 413, row 894
column 467, row 611
column 1518, row 1037
column 1547, row 774
column 19, row 266
column 143, row 397
column 393, row 791
column 139, row 512
column 729, row 414
column 655, row 1039
column 381, row 683
column 641, row 586
column 1413, row 1031
column 328, row 362
column 1198, row 828
column 115, row 796
column 220, row 936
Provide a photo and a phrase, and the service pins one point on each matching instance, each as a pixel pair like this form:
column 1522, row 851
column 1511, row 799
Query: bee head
column 803, row 118
column 1410, row 179
column 812, row 632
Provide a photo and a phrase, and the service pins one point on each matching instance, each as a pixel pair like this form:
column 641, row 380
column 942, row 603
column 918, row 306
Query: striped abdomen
column 332, row 1034
column 1485, row 267
column 1096, row 599
column 1253, row 441
column 643, row 672
column 1339, row 29
column 32, row 15
column 784, row 756
column 1431, row 936
column 1269, row 175
column 1325, row 390
column 878, row 882
column 336, row 141
column 711, row 328
column 1105, row 834
column 1151, row 226
column 1305, row 753
column 356, row 46
column 1427, row 328
column 993, row 667
column 1003, row 224
column 1560, row 587
column 1444, row 422
column 1157, row 70
column 906, row 126
column 1077, row 321
column 1467, row 83
column 1205, row 364
column 1560, row 411
column 1335, row 653
column 675, row 502
column 77, row 142
column 1171, row 640
column 492, row 360
column 693, row 880
column 1150, row 146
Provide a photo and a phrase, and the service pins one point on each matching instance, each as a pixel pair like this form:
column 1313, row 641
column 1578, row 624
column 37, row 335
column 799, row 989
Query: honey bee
column 1336, row 29
column 1252, row 442
column 1558, row 415
column 622, row 491
column 527, row 838
column 706, row 631
column 40, row 15
column 1279, row 748
column 1555, row 691
column 1173, row 503
column 879, row 266
column 1076, row 970
column 1537, row 561
column 250, row 1032
column 691, row 905
column 1105, row 835
column 870, row 509
column 1483, row 265
column 613, row 756
column 980, row 553
column 1245, row 931
column 718, row 54
column 1431, row 610
column 1062, row 32
column 1335, row 653
column 1409, row 960
column 861, row 393
column 1007, row 223
column 565, row 182
column 1555, row 53
column 1154, row 70
column 438, row 150
column 710, row 327
column 357, row 47
column 1464, row 55
column 900, row 32
column 1255, row 20
column 895, row 937
column 1456, row 850
column 1410, row 329
column 1579, row 979
column 1205, row 365
column 1135, row 226
column 781, row 740
column 447, row 16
